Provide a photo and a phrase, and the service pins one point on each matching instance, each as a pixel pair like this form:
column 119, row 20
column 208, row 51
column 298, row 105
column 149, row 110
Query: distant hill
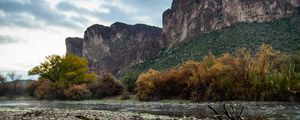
column 282, row 34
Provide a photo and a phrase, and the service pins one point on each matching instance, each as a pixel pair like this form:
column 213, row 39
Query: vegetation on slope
column 282, row 34
column 268, row 76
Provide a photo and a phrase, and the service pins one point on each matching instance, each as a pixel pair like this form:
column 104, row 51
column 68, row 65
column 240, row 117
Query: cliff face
column 190, row 18
column 110, row 49
column 74, row 46
column 295, row 3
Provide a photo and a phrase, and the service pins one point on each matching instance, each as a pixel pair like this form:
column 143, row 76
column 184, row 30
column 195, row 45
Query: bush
column 269, row 75
column 105, row 85
column 3, row 85
column 44, row 90
column 128, row 80
column 77, row 92
column 146, row 89
column 125, row 95
column 32, row 86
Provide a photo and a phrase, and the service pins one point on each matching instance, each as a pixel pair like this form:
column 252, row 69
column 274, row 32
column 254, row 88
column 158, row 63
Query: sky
column 30, row 30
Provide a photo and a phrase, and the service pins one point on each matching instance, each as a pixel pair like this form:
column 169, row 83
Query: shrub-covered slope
column 282, row 34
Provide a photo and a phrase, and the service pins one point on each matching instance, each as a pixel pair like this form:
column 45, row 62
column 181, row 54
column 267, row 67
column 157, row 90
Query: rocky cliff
column 190, row 18
column 295, row 3
column 110, row 49
column 74, row 45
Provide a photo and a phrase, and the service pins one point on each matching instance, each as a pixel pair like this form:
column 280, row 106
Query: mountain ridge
column 282, row 34
column 118, row 46
column 188, row 19
column 110, row 48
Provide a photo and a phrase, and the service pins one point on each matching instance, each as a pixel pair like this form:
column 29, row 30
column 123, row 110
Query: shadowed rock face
column 191, row 18
column 74, row 46
column 110, row 49
column 295, row 3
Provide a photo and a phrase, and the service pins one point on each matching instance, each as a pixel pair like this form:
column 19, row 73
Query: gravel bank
column 68, row 114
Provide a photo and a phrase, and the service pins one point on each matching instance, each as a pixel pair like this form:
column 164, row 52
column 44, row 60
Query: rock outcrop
column 191, row 18
column 110, row 49
column 295, row 3
column 74, row 45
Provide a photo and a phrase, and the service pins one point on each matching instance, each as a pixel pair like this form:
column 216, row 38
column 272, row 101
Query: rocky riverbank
column 137, row 110
column 69, row 114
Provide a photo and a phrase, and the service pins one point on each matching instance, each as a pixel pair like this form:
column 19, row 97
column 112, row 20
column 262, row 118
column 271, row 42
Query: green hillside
column 282, row 34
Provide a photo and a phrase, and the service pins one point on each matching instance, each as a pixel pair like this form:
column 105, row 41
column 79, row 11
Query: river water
column 252, row 110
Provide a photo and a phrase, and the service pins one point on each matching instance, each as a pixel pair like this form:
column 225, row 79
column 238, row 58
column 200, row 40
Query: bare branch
column 227, row 113
column 240, row 114
column 217, row 114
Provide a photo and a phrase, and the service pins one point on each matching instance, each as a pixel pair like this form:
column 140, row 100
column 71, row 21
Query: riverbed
column 132, row 109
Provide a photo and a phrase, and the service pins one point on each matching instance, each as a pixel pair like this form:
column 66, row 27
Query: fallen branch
column 231, row 115
column 217, row 114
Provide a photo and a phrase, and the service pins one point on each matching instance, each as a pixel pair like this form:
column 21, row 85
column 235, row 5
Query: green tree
column 64, row 71
column 49, row 69
column 129, row 79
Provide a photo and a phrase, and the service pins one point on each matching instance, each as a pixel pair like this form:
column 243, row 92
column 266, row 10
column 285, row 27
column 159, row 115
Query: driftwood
column 231, row 115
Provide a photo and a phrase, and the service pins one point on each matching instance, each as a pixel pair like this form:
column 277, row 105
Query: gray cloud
column 32, row 14
column 67, row 6
column 36, row 13
column 7, row 40
column 150, row 8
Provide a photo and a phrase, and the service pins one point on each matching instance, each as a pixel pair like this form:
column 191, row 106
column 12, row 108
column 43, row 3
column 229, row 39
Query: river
column 254, row 110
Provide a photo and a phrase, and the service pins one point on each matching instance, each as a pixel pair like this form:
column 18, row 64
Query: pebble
column 67, row 114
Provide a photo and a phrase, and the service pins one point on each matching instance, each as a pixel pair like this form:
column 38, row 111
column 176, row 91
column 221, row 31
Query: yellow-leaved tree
column 64, row 72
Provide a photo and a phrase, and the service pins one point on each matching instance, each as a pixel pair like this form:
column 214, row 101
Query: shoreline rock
column 69, row 114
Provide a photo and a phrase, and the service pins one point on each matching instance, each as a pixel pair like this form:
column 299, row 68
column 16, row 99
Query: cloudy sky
column 33, row 29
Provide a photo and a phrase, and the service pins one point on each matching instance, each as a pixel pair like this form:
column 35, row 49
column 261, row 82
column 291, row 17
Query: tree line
column 68, row 78
column 11, row 85
column 262, row 75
